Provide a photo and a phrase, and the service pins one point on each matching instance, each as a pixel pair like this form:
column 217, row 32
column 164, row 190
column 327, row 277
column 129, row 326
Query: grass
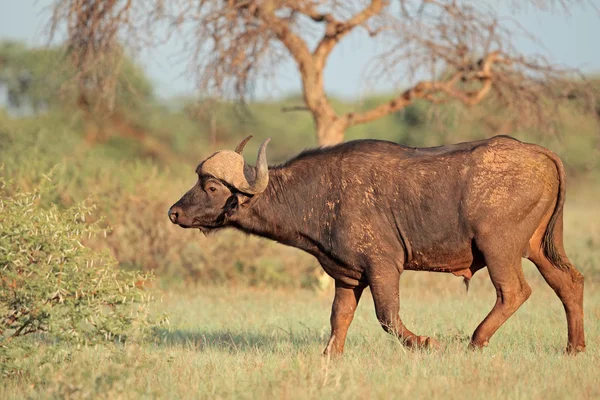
column 241, row 342
column 234, row 341
column 241, row 326
column 244, row 343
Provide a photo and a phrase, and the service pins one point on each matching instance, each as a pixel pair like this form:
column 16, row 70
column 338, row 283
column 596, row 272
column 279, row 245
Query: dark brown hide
column 368, row 210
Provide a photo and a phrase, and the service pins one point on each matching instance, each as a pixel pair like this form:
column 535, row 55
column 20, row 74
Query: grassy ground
column 234, row 341
column 239, row 342
column 243, row 343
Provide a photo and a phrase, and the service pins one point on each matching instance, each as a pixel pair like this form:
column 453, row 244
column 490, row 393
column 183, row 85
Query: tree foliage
column 39, row 78
column 448, row 50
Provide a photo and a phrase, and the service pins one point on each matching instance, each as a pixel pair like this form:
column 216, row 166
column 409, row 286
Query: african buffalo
column 370, row 209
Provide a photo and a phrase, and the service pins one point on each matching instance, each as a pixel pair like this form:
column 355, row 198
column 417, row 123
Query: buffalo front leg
column 342, row 312
column 385, row 290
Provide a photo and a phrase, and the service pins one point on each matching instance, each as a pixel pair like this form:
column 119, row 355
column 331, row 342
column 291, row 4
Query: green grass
column 234, row 341
column 239, row 342
column 244, row 343
column 241, row 327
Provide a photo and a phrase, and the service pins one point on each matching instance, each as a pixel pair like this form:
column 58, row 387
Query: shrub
column 50, row 282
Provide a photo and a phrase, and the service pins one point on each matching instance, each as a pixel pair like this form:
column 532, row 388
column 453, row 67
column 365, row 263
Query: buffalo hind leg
column 342, row 312
column 568, row 285
column 511, row 289
column 385, row 292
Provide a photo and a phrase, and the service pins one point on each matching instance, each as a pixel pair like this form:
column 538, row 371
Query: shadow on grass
column 236, row 341
column 454, row 338
column 277, row 340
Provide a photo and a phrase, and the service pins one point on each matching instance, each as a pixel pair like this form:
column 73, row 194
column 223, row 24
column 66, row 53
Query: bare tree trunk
column 330, row 127
column 330, row 131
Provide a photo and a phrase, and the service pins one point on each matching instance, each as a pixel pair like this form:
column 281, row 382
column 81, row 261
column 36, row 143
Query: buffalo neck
column 289, row 210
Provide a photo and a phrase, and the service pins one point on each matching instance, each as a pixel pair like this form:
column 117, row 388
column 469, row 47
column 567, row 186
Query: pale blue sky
column 571, row 40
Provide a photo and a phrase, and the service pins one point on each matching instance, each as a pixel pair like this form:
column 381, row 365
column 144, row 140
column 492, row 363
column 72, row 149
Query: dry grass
column 232, row 341
column 238, row 342
column 247, row 343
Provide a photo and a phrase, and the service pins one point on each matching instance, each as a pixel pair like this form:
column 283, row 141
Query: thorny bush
column 53, row 286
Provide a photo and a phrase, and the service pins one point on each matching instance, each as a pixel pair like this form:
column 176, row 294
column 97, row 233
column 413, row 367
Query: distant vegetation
column 464, row 52
column 136, row 161
column 229, row 338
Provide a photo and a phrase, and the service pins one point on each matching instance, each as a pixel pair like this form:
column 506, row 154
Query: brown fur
column 368, row 210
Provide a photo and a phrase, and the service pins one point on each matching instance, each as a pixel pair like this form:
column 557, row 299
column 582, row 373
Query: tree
column 451, row 50
column 38, row 76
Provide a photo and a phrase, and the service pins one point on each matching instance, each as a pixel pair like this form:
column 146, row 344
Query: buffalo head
column 224, row 179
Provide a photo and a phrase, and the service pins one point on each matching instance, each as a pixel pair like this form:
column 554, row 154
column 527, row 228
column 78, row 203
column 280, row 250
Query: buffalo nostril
column 174, row 213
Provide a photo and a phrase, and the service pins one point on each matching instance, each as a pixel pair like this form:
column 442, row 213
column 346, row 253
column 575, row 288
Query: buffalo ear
column 243, row 199
column 235, row 202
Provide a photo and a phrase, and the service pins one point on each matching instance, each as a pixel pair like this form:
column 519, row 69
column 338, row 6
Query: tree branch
column 336, row 30
column 427, row 89
column 313, row 14
column 295, row 45
column 310, row 73
column 418, row 91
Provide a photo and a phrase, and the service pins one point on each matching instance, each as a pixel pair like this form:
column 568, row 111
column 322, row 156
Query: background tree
column 39, row 76
column 449, row 50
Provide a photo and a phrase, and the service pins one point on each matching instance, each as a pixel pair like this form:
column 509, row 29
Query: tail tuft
column 550, row 250
column 548, row 241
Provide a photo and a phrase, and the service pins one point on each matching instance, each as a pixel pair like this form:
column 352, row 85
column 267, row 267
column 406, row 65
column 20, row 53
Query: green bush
column 50, row 282
column 150, row 148
column 41, row 78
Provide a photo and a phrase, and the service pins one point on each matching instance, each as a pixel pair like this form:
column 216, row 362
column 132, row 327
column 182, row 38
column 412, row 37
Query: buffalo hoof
column 572, row 350
column 477, row 346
